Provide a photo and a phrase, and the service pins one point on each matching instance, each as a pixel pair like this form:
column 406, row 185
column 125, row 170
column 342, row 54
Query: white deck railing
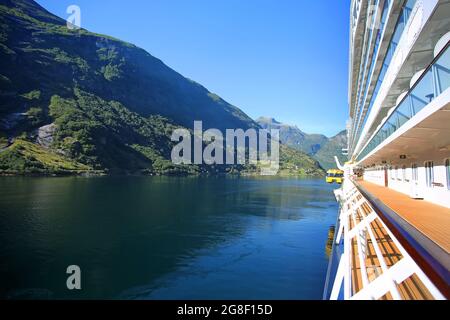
column 355, row 223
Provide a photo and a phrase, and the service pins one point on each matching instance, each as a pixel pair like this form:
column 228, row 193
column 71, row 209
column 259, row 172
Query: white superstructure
column 399, row 140
column 400, row 98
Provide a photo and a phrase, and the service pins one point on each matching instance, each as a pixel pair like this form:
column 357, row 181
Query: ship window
column 429, row 170
column 414, row 170
column 447, row 170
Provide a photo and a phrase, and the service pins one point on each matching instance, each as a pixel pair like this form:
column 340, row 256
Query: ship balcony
column 414, row 50
column 420, row 122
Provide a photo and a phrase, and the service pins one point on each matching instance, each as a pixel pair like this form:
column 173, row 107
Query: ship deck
column 431, row 220
column 427, row 240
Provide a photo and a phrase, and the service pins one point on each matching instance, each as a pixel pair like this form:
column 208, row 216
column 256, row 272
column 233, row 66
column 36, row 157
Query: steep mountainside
column 318, row 146
column 332, row 148
column 40, row 53
column 293, row 136
column 75, row 101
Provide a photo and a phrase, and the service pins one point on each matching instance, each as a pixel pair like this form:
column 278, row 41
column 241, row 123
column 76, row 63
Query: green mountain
column 320, row 147
column 74, row 101
column 333, row 147
column 292, row 136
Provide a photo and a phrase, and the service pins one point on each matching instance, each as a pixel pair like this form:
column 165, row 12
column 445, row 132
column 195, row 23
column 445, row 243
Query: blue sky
column 287, row 59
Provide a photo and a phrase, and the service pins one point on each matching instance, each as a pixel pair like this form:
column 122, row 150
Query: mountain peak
column 273, row 123
column 320, row 147
column 267, row 120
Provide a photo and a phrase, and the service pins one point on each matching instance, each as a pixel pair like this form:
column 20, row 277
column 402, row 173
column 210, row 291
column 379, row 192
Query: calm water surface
column 165, row 238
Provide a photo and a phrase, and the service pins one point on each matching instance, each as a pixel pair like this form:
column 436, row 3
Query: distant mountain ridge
column 293, row 136
column 319, row 146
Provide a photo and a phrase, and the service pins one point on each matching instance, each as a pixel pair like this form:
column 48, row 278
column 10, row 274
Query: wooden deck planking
column 411, row 288
column 430, row 219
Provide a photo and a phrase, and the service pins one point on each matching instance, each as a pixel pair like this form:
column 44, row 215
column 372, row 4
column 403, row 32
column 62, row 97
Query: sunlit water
column 165, row 238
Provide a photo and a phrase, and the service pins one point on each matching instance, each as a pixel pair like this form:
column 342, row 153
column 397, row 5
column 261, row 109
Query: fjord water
column 165, row 238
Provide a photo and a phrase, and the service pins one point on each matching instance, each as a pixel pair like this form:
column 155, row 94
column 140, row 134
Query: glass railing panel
column 376, row 140
column 384, row 132
column 392, row 126
column 404, row 112
column 379, row 138
column 423, row 93
column 419, row 97
column 389, row 130
column 396, row 124
column 442, row 68
column 417, row 104
column 383, row 73
column 410, row 5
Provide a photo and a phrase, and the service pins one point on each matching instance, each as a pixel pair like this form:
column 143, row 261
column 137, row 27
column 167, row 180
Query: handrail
column 428, row 255
column 357, row 225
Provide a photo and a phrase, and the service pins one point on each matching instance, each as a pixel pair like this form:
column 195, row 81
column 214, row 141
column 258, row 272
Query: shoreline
column 88, row 174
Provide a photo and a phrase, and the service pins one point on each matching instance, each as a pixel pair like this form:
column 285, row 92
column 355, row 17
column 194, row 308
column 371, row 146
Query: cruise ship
column 392, row 237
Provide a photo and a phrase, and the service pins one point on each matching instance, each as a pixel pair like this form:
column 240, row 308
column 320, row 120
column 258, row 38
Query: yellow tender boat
column 335, row 175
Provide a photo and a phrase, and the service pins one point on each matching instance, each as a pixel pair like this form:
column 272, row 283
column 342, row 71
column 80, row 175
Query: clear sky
column 287, row 59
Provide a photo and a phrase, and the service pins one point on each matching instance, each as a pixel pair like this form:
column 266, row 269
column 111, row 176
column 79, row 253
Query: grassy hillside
column 27, row 157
